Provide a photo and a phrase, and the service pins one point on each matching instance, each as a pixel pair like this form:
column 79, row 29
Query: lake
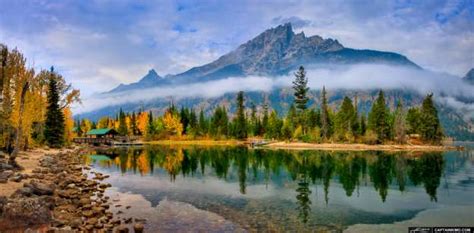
column 228, row 189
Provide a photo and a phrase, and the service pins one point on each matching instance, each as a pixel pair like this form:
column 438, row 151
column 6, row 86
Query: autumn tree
column 54, row 126
column 172, row 123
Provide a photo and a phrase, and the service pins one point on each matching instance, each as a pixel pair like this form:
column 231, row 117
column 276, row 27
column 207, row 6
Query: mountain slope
column 276, row 51
column 469, row 77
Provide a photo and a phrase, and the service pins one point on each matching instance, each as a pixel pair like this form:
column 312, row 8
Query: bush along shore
column 59, row 194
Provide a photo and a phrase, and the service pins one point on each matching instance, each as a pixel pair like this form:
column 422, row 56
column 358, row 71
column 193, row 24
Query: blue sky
column 100, row 43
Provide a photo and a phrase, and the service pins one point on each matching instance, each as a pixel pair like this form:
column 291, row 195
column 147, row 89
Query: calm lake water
column 224, row 189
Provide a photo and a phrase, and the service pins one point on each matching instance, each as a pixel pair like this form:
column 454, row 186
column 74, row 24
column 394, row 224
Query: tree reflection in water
column 306, row 168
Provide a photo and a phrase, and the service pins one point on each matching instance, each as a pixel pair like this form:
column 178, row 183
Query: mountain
column 150, row 79
column 469, row 77
column 276, row 51
column 279, row 51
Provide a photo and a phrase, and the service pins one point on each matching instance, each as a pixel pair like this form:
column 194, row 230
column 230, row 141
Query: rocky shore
column 59, row 195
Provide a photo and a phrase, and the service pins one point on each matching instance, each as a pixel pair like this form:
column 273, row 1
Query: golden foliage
column 172, row 124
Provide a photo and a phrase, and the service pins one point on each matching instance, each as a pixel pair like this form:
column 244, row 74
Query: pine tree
column 300, row 87
column 379, row 119
column 203, row 124
column 240, row 123
column 325, row 119
column 150, row 127
column 430, row 127
column 292, row 118
column 219, row 123
column 346, row 118
column 399, row 127
column 184, row 116
column 134, row 124
column 122, row 129
column 413, row 120
column 264, row 119
column 274, row 126
column 54, row 124
column 362, row 125
column 79, row 128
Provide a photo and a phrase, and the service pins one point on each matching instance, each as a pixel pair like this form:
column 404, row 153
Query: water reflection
column 306, row 168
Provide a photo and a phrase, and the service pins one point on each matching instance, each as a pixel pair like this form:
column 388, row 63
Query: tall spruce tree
column 399, row 123
column 346, row 118
column 123, row 128
column 240, row 123
column 203, row 124
column 430, row 127
column 300, row 87
column 325, row 120
column 379, row 118
column 54, row 124
column 134, row 124
column 150, row 127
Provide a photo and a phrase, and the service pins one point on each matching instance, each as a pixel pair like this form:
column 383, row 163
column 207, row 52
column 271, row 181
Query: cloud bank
column 447, row 88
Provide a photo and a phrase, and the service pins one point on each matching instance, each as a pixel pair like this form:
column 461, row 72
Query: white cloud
column 360, row 77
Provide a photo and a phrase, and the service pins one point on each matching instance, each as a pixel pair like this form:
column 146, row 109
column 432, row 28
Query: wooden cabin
column 101, row 133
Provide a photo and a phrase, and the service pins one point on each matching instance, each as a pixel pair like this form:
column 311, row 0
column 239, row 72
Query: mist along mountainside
column 279, row 51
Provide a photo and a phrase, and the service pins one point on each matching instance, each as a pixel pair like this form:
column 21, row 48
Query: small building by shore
column 101, row 133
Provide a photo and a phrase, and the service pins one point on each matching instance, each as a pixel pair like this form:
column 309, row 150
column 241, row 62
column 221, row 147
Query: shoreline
column 56, row 191
column 204, row 142
column 357, row 147
column 309, row 146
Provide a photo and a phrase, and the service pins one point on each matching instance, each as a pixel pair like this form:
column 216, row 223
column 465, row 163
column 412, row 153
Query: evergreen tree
column 219, row 123
column 253, row 120
column 430, row 127
column 300, row 87
column 134, row 124
column 399, row 127
column 362, row 125
column 240, row 123
column 203, row 124
column 325, row 119
column 193, row 121
column 346, row 118
column 184, row 116
column 264, row 119
column 275, row 124
column 292, row 118
column 413, row 120
column 79, row 129
column 122, row 129
column 379, row 119
column 150, row 128
column 54, row 125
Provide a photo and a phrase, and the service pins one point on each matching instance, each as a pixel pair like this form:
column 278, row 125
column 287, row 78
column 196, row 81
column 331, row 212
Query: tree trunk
column 19, row 130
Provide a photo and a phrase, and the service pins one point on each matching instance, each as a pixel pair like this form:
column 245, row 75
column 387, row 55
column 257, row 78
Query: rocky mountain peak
column 470, row 76
column 151, row 77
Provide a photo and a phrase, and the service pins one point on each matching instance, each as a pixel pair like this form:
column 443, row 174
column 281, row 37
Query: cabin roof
column 101, row 131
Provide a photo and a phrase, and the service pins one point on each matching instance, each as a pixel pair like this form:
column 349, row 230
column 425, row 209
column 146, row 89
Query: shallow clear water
column 240, row 189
